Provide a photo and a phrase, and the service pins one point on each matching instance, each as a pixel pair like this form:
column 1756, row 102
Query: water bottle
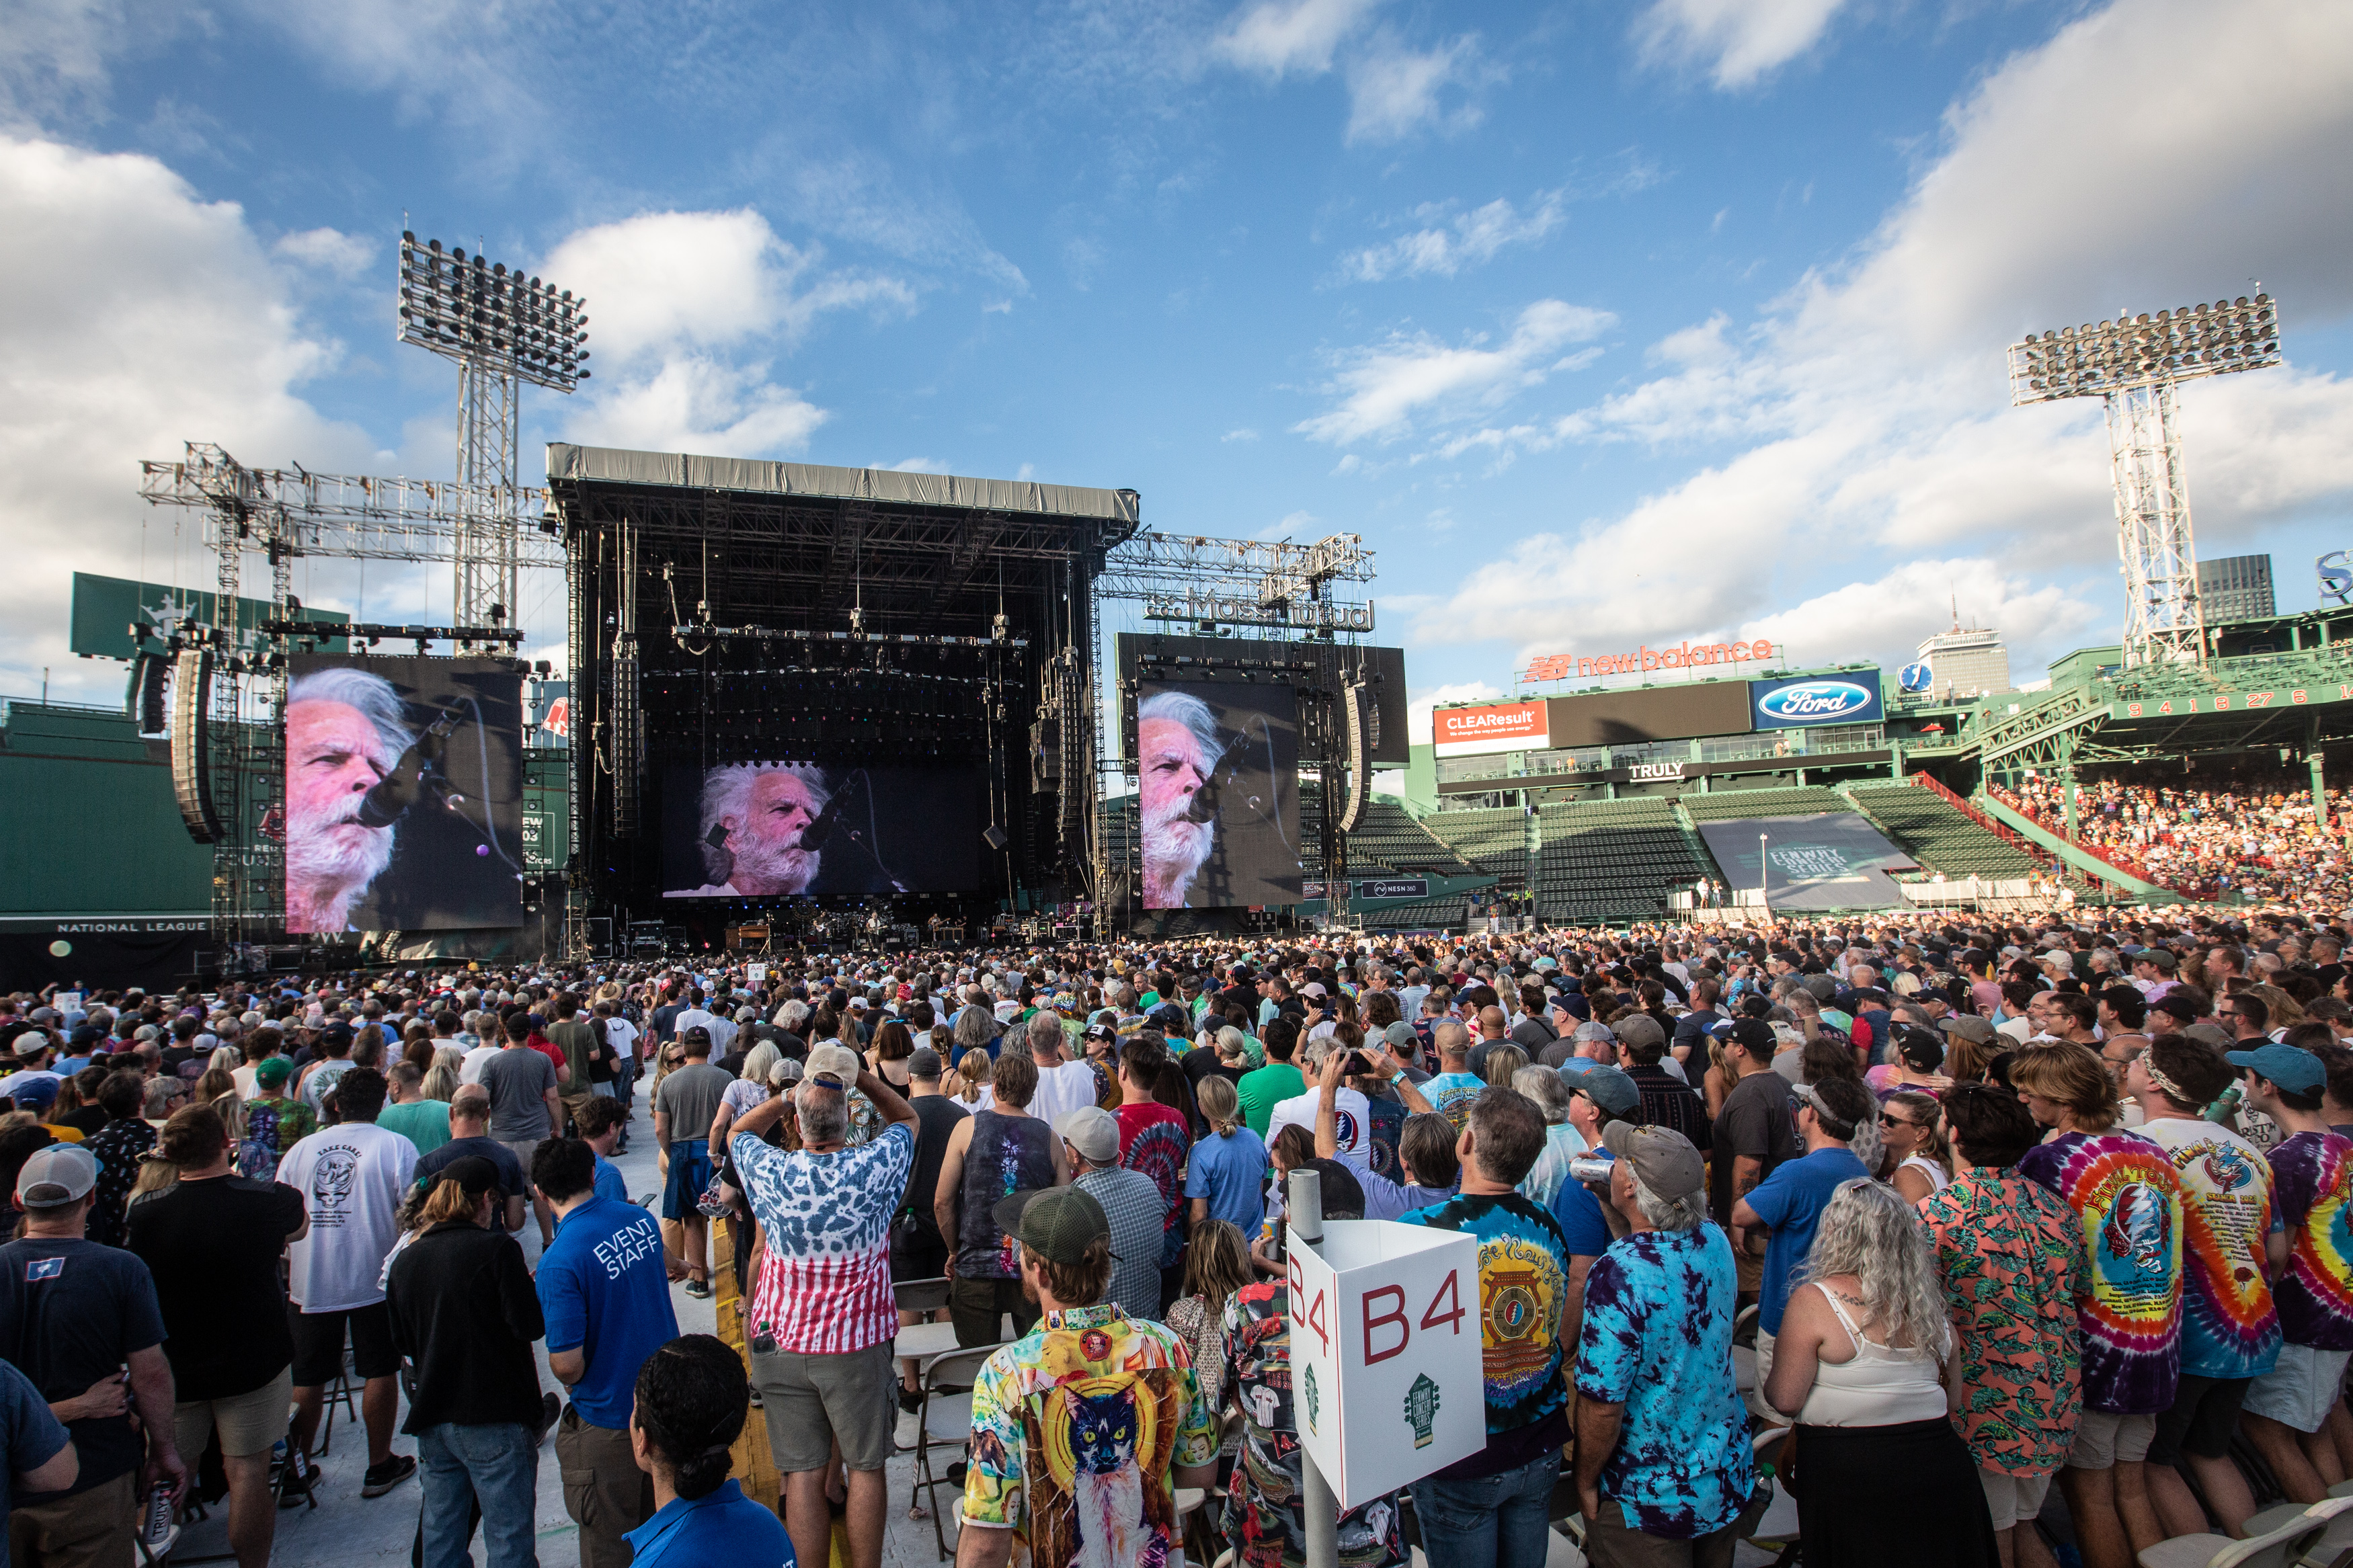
column 158, row 1526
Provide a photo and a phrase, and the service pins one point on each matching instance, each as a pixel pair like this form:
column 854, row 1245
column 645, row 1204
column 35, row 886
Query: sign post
column 1384, row 1353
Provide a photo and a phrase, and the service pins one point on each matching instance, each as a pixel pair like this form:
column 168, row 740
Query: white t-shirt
column 1068, row 1087
column 622, row 1036
column 1351, row 1111
column 471, row 1070
column 352, row 1178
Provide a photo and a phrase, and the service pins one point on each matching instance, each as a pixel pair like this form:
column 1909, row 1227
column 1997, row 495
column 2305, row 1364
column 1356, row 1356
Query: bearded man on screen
column 753, row 817
column 345, row 730
column 1176, row 747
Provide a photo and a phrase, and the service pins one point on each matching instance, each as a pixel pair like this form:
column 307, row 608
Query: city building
column 2236, row 588
column 1966, row 661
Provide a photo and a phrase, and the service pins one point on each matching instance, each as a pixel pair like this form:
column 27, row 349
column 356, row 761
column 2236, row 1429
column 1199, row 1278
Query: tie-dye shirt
column 2230, row 1327
column 2012, row 1258
column 1076, row 1429
column 1657, row 1340
column 2312, row 1182
column 2125, row 1193
column 1523, row 1292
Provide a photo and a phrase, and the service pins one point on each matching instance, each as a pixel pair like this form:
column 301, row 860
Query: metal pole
column 1322, row 1508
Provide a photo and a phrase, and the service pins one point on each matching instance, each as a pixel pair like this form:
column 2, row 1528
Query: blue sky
column 1603, row 324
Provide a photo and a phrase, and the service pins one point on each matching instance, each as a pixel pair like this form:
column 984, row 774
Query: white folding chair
column 946, row 1419
column 2278, row 1548
column 2336, row 1512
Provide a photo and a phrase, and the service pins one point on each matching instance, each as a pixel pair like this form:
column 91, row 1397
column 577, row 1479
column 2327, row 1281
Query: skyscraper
column 2236, row 588
column 1966, row 661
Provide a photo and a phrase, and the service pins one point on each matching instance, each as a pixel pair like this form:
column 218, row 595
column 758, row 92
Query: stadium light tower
column 2132, row 364
column 502, row 329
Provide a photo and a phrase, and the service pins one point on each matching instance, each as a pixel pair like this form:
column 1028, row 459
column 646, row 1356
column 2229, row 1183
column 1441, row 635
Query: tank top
column 1929, row 1168
column 1880, row 1387
column 1009, row 1154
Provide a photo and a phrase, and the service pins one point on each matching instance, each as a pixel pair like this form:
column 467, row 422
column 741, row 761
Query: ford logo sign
column 1814, row 701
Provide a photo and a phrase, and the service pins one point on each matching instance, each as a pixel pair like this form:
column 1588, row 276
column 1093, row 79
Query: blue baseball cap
column 2292, row 1067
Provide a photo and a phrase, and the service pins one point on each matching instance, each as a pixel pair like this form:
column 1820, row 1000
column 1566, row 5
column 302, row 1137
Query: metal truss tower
column 2132, row 364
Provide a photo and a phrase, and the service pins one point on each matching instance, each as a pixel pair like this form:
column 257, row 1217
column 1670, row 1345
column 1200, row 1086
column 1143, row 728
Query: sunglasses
column 1887, row 1120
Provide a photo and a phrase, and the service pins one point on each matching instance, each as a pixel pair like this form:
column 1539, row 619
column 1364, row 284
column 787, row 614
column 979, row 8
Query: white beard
column 762, row 868
column 329, row 861
column 1175, row 850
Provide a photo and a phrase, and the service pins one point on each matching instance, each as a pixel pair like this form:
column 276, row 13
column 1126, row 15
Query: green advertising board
column 105, row 609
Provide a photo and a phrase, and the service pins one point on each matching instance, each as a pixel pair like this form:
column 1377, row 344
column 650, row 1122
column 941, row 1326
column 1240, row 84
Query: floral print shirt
column 2011, row 1253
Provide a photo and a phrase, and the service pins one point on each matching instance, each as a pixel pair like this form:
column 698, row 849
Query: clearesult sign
column 1488, row 727
column 1387, row 1353
column 1805, row 702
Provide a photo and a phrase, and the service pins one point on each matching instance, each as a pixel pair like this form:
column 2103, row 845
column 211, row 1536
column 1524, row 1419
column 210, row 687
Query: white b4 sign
column 1384, row 1353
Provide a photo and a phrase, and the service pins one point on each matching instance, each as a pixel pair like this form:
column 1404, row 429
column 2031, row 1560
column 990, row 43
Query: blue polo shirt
column 602, row 1288
column 723, row 1528
column 609, row 1181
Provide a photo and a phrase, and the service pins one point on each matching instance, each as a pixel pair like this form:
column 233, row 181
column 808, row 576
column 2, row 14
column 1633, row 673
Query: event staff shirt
column 603, row 1291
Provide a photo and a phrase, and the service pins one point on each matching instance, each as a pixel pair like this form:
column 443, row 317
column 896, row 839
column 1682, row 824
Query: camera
column 1592, row 1169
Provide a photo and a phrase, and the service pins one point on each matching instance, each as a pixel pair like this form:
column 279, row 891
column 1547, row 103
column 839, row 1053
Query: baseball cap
column 1401, row 1034
column 1056, row 1223
column 1313, row 988
column 696, row 1033
column 2213, row 1034
column 923, row 1063
column 1754, row 1035
column 838, row 1060
column 1641, row 1029
column 1607, row 1087
column 474, row 1174
column 1822, row 986
column 2292, row 1067
column 336, row 1033
column 1099, row 1032
column 1662, row 1157
column 57, row 1175
column 273, row 1070
column 1921, row 1049
column 1591, row 1030
column 787, row 1070
column 1092, row 1130
column 1964, row 1026
column 2158, row 958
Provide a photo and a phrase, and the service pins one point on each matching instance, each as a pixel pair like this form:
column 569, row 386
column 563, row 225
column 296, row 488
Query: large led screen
column 781, row 828
column 403, row 793
column 1635, row 714
column 1218, row 772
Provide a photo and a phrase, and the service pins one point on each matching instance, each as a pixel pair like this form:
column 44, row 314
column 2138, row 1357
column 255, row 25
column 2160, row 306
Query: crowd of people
column 2251, row 835
column 1903, row 1219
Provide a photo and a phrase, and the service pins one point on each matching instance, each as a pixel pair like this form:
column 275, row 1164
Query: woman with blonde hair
column 1912, row 1132
column 972, row 1083
column 218, row 1090
column 1224, row 1177
column 441, row 1079
column 1217, row 1264
column 1863, row 1365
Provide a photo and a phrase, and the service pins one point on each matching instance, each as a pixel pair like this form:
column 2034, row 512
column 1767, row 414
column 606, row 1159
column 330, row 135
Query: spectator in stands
column 2010, row 1253
column 2123, row 1189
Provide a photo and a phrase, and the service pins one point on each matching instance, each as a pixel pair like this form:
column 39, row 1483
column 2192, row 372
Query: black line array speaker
column 191, row 772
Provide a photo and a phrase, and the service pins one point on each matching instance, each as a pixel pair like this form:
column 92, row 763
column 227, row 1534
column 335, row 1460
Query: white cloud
column 1468, row 240
column 1241, row 435
column 1737, row 42
column 1276, row 38
column 1886, row 617
column 919, row 465
column 1418, row 704
column 1393, row 92
column 139, row 316
column 1382, row 388
column 1867, row 418
column 1292, row 525
column 685, row 311
column 345, row 255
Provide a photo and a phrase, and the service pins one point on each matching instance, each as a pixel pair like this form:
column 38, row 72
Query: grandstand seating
column 1610, row 859
column 1494, row 840
column 1938, row 835
column 1389, row 836
column 1731, row 805
column 1431, row 914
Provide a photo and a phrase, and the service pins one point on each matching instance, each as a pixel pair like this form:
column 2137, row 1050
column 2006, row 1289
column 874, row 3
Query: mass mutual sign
column 1805, row 702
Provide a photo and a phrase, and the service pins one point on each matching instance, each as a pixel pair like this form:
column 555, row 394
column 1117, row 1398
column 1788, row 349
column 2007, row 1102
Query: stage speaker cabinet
column 192, row 771
column 1363, row 722
column 1045, row 754
column 148, row 673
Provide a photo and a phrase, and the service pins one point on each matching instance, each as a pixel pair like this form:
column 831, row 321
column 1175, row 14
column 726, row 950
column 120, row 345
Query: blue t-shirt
column 31, row 1434
column 603, row 1289
column 1520, row 1253
column 723, row 1528
column 610, row 1184
column 1578, row 1214
column 1657, row 1338
column 1791, row 1200
column 1230, row 1171
column 1451, row 1094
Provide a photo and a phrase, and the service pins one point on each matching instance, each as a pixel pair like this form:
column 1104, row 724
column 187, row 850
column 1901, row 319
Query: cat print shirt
column 2312, row 1182
column 2128, row 1202
column 1264, row 1516
column 2230, row 1327
column 1076, row 1429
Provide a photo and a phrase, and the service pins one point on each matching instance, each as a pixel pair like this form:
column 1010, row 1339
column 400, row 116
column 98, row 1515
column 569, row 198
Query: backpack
column 257, row 1151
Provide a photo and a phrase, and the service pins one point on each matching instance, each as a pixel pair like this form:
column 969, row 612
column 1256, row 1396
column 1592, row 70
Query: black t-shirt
column 936, row 1116
column 72, row 1313
column 84, row 1119
column 213, row 1247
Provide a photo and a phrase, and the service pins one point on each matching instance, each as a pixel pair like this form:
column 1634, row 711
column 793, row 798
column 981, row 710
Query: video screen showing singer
column 1218, row 782
column 780, row 829
column 403, row 795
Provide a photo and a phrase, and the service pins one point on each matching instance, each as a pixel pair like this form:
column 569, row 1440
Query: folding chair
column 1779, row 1526
column 2330, row 1511
column 915, row 1341
column 2278, row 1548
column 946, row 1420
column 339, row 1391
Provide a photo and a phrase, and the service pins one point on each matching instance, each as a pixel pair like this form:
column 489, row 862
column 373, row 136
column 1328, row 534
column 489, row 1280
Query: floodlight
column 476, row 311
column 2101, row 357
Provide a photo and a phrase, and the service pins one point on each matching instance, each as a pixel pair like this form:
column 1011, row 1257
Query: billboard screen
column 783, row 828
column 403, row 793
column 1490, row 727
column 1830, row 860
column 1650, row 713
column 1335, row 664
column 1813, row 702
column 1217, row 776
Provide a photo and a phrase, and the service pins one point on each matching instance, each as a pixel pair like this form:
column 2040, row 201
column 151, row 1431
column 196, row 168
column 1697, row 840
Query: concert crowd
column 2252, row 836
column 1882, row 1239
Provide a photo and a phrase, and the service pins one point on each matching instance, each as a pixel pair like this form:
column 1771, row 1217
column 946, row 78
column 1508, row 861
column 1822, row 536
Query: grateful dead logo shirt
column 2230, row 1326
column 2125, row 1196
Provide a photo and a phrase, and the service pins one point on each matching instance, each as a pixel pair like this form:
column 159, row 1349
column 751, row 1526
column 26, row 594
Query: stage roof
column 612, row 466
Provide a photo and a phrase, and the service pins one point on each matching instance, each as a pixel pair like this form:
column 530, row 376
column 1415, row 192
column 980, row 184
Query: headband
column 2166, row 1086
